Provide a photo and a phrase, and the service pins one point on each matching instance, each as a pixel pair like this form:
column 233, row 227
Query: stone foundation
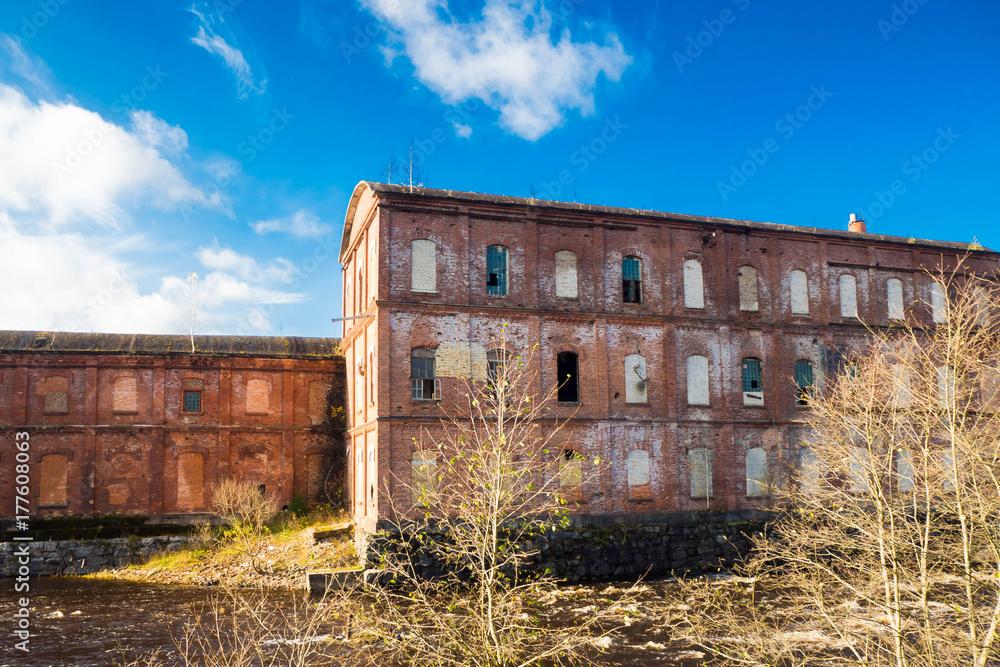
column 73, row 557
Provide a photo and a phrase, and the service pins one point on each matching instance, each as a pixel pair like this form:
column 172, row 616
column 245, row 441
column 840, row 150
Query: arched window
column 799, row 284
column 894, row 295
column 748, row 289
column 631, row 280
column 848, row 295
column 496, row 270
column 753, row 383
column 423, row 266
column 939, row 304
column 638, row 474
column 758, row 484
column 697, row 380
column 422, row 382
column 804, row 381
column 694, row 285
column 635, row 378
column 567, row 371
column 570, row 470
column 566, row 281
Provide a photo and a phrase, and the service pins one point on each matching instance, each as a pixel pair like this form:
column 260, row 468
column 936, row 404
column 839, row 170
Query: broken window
column 753, row 385
column 496, row 270
column 894, row 294
column 694, row 286
column 848, row 295
column 631, row 280
column 566, row 372
column 800, row 293
column 803, row 381
column 423, row 266
column 757, row 474
column 939, row 305
column 700, row 460
column 748, row 289
column 566, row 281
column 697, row 380
column 638, row 474
column 635, row 378
column 422, row 374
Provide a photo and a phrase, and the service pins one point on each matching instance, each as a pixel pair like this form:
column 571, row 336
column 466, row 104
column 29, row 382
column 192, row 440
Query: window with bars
column 631, row 280
column 192, row 401
column 753, row 385
column 422, row 382
column 496, row 270
column 803, row 381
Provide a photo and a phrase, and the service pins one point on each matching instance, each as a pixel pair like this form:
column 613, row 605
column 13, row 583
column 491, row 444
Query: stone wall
column 615, row 548
column 76, row 557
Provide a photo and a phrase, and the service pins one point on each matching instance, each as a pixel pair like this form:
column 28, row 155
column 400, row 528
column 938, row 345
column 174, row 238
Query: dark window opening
column 192, row 401
column 753, row 385
column 566, row 371
column 496, row 270
column 803, row 381
column 422, row 374
column 631, row 280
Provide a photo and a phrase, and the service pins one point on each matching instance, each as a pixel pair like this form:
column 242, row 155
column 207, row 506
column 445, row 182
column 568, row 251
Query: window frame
column 572, row 379
column 804, row 391
column 747, row 380
column 184, row 400
column 422, row 378
column 632, row 279
column 498, row 263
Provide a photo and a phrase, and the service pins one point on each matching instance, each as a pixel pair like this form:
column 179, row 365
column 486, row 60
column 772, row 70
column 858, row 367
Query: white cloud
column 29, row 67
column 226, row 259
column 302, row 224
column 209, row 39
column 63, row 163
column 508, row 59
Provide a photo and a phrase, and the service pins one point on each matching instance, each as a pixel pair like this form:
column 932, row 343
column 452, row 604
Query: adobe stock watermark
column 900, row 14
column 700, row 41
column 47, row 10
column 90, row 139
column 584, row 156
column 787, row 126
column 21, row 554
column 249, row 149
column 914, row 168
column 458, row 117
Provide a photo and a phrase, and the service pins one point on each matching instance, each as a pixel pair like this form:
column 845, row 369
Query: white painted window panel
column 635, row 378
column 700, row 460
column 566, row 278
column 848, row 296
column 694, row 285
column 423, row 267
column 638, row 467
column 747, row 276
column 904, row 471
column 758, row 482
column 697, row 380
column 800, row 293
column 939, row 305
column 894, row 290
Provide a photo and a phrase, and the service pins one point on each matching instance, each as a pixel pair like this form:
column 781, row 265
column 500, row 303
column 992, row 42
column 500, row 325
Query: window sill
column 802, row 315
column 191, row 412
column 420, row 291
column 637, row 405
column 569, row 404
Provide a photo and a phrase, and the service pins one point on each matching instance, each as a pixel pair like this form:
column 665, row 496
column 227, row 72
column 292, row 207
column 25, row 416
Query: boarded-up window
column 638, row 474
column 258, row 396
column 981, row 302
column 859, row 470
column 800, row 293
column 697, row 380
column 848, row 296
column 753, row 382
column 946, row 386
column 315, row 477
column 566, row 280
column 809, row 471
column 423, row 267
column 904, row 471
column 124, row 396
column 635, row 378
column 939, row 305
column 748, row 289
column 190, row 481
column 758, row 484
column 317, row 401
column 53, row 470
column 700, row 460
column 55, row 394
column 570, row 470
column 901, row 392
column 949, row 476
column 694, row 285
column 423, row 474
column 894, row 293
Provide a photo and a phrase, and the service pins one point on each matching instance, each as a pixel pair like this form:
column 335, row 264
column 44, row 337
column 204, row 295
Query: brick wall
column 117, row 439
column 714, row 292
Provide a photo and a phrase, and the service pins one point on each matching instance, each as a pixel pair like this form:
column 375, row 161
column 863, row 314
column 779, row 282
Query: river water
column 96, row 622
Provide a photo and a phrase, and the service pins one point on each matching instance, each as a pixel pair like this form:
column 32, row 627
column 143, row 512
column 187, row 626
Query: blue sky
column 143, row 142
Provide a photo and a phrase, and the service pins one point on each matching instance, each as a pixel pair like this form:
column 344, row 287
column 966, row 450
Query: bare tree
column 249, row 509
column 888, row 550
column 486, row 486
column 415, row 174
column 193, row 312
column 391, row 168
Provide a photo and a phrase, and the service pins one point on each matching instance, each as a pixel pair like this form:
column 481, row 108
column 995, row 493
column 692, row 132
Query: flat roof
column 153, row 344
column 405, row 191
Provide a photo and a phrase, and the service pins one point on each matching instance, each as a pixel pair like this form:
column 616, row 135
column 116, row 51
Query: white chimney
column 857, row 226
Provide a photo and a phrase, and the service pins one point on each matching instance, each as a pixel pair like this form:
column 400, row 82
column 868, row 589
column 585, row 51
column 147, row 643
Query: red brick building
column 132, row 424
column 688, row 339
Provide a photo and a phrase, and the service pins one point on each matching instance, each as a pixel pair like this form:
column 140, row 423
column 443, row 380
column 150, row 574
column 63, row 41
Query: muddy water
column 124, row 619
